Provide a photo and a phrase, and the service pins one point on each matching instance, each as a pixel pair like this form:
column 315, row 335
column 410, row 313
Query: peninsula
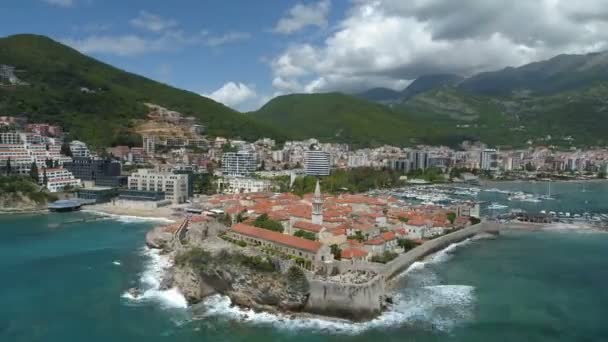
column 332, row 256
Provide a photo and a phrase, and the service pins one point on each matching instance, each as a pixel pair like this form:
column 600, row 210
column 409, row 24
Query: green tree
column 305, row 235
column 45, row 180
column 263, row 221
column 451, row 217
column 406, row 244
column 336, row 251
column 8, row 166
column 34, row 172
column 65, row 149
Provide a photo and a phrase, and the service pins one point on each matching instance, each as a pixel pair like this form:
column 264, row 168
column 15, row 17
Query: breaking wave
column 428, row 305
column 129, row 218
column 150, row 283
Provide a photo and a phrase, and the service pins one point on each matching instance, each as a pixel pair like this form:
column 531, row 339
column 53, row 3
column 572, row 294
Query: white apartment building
column 238, row 185
column 317, row 163
column 174, row 186
column 79, row 149
column 239, row 164
column 489, row 160
column 11, row 138
column 57, row 179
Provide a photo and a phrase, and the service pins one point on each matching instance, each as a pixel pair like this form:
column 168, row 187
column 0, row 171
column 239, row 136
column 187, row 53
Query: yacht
column 497, row 206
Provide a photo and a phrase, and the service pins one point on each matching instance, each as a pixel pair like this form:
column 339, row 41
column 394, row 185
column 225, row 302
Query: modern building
column 104, row 172
column 57, row 179
column 317, row 163
column 489, row 160
column 420, row 160
column 79, row 149
column 400, row 165
column 149, row 144
column 240, row 185
column 174, row 186
column 98, row 194
column 239, row 164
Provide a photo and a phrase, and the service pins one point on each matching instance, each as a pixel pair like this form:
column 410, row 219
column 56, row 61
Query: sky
column 244, row 52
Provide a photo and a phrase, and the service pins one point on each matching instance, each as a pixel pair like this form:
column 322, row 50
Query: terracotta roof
column 351, row 253
column 279, row 238
column 308, row 226
column 375, row 242
column 388, row 236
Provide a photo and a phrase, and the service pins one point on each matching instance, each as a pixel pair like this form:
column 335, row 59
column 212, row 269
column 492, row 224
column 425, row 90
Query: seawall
column 353, row 301
column 405, row 260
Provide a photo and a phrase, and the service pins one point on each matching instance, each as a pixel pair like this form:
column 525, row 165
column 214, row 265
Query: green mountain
column 56, row 74
column 336, row 117
column 420, row 85
column 558, row 74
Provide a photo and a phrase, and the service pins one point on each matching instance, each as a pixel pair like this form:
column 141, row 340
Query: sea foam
column 150, row 282
column 439, row 307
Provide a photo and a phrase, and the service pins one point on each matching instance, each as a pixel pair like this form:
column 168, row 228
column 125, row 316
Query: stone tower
column 317, row 206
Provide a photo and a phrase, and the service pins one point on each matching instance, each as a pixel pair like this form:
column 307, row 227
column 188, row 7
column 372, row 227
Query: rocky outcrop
column 250, row 281
column 18, row 202
column 158, row 238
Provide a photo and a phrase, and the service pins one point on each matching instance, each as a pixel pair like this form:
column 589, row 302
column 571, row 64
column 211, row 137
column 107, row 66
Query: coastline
column 161, row 214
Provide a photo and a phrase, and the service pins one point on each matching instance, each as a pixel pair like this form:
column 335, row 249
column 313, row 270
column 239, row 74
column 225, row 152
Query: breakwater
column 403, row 261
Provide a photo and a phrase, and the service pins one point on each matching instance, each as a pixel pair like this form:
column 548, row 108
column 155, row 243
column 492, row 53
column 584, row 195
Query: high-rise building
column 317, row 163
column 174, row 186
column 489, row 160
column 149, row 144
column 401, row 165
column 420, row 160
column 239, row 164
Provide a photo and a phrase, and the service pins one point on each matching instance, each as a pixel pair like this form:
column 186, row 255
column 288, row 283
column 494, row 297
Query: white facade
column 489, row 160
column 317, row 163
column 239, row 164
column 57, row 179
column 174, row 186
column 79, row 149
column 237, row 185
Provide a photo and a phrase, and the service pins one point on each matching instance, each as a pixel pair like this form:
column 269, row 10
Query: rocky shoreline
column 204, row 265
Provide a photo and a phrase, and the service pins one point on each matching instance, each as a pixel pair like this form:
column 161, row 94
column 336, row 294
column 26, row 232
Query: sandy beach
column 109, row 208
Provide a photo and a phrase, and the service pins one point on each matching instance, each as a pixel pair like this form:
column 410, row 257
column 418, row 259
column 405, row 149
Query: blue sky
column 192, row 44
column 244, row 52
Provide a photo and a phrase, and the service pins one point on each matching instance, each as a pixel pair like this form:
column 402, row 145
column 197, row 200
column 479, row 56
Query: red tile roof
column 308, row 226
column 279, row 238
column 350, row 253
column 388, row 236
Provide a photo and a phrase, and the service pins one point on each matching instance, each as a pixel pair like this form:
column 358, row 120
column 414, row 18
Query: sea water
column 62, row 281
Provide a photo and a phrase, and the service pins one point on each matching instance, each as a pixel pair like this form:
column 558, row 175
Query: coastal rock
column 158, row 238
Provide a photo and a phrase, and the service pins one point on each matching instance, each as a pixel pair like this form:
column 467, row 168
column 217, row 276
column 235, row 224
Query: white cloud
column 127, row 45
column 227, row 38
column 301, row 16
column 60, row 3
column 152, row 22
column 235, row 95
column 390, row 42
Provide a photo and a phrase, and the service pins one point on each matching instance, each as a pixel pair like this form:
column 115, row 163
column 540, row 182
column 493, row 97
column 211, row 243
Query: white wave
column 441, row 307
column 129, row 218
column 116, row 262
column 150, row 281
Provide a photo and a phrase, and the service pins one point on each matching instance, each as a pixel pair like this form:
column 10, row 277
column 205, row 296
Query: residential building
column 79, row 149
column 240, row 185
column 174, row 186
column 149, row 144
column 57, row 179
column 239, row 164
column 420, row 160
column 317, row 163
column 489, row 160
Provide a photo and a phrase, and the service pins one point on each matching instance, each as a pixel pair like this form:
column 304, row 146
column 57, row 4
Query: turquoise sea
column 63, row 281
